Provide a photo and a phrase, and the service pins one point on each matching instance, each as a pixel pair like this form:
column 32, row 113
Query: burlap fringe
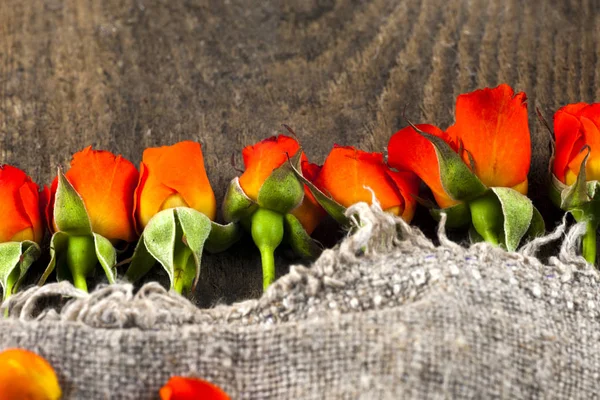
column 374, row 232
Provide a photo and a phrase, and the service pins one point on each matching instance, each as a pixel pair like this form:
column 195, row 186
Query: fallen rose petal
column 180, row 388
column 26, row 375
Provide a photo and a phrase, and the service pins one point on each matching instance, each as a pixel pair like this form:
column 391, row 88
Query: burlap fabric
column 386, row 314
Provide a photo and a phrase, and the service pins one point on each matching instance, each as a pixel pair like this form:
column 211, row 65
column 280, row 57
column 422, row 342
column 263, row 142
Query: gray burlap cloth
column 386, row 314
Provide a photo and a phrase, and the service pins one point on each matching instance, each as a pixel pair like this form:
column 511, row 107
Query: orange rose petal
column 591, row 112
column 591, row 134
column 309, row 212
column 347, row 172
column 15, row 218
column 409, row 151
column 262, row 158
column 408, row 185
column 493, row 127
column 179, row 388
column 180, row 167
column 150, row 194
column 30, row 199
column 106, row 183
column 26, row 375
column 568, row 141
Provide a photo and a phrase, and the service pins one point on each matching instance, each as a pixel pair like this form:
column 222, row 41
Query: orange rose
column 576, row 126
column 262, row 158
column 179, row 388
column 491, row 135
column 20, row 207
column 173, row 176
column 25, row 375
column 106, row 184
column 348, row 172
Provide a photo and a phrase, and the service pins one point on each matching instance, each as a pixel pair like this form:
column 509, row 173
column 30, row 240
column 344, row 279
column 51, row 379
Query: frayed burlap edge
column 375, row 232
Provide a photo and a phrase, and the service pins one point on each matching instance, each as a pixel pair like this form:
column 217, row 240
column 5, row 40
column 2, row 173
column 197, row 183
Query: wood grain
column 123, row 75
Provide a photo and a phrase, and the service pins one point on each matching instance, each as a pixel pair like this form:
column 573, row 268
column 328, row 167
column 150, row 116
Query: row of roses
column 476, row 171
column 26, row 375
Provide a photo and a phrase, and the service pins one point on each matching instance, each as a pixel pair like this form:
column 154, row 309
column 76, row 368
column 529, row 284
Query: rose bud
column 179, row 388
column 19, row 202
column 173, row 176
column 26, row 375
column 477, row 169
column 175, row 207
column 22, row 228
column 90, row 209
column 576, row 168
column 348, row 174
column 271, row 201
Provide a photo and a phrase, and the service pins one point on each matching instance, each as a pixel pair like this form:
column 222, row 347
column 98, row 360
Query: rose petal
column 309, row 212
column 347, row 172
column 19, row 213
column 170, row 170
column 492, row 125
column 106, row 184
column 26, row 375
column 410, row 151
column 179, row 388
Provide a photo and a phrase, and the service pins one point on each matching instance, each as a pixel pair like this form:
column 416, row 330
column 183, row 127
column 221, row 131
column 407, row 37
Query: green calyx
column 282, row 191
column 175, row 238
column 236, row 205
column 74, row 249
column 457, row 179
column 582, row 200
column 267, row 229
column 503, row 216
column 15, row 260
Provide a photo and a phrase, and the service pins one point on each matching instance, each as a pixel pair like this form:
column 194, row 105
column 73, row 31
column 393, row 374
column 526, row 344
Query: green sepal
column 196, row 228
column 15, row 260
column 58, row 246
column 555, row 191
column 504, row 216
column 457, row 216
column 236, row 204
column 301, row 243
column 141, row 262
column 458, row 181
column 538, row 226
column 517, row 210
column 282, row 191
column 107, row 257
column 222, row 237
column 577, row 194
column 331, row 207
column 70, row 214
column 175, row 238
column 98, row 250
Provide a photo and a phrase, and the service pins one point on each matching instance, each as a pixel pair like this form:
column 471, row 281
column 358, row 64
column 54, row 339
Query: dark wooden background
column 123, row 75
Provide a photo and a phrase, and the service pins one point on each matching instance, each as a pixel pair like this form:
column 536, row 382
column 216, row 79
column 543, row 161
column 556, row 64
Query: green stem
column 267, row 233
column 589, row 242
column 268, row 266
column 80, row 282
column 180, row 261
column 81, row 259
